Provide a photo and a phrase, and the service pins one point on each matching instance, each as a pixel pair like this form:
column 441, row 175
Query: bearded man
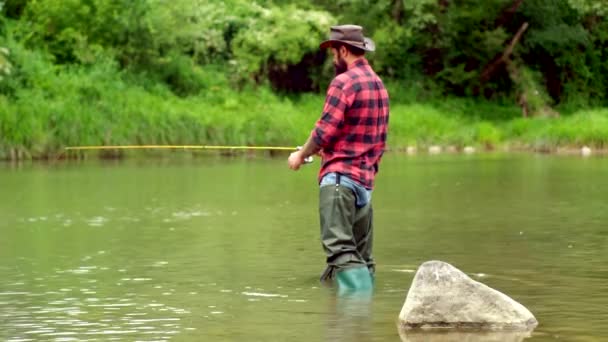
column 351, row 136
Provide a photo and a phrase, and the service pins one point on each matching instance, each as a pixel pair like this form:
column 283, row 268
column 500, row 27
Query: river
column 224, row 249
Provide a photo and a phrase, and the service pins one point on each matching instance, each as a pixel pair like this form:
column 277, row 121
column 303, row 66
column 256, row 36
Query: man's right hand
column 295, row 160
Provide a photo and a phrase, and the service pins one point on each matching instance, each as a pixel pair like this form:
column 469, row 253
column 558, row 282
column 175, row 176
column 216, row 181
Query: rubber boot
column 354, row 279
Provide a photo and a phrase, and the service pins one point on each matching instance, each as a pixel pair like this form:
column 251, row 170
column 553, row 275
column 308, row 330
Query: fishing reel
column 307, row 160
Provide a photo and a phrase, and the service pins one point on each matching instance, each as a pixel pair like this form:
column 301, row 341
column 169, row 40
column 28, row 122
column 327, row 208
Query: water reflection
column 350, row 317
column 461, row 336
column 66, row 312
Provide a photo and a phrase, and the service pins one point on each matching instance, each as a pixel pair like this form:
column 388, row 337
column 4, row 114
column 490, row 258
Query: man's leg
column 337, row 212
column 363, row 232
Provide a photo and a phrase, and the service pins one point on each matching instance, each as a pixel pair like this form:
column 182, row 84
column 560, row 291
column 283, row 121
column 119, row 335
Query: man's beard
column 341, row 66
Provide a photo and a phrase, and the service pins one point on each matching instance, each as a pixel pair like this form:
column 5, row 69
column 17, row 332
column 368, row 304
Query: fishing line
column 184, row 147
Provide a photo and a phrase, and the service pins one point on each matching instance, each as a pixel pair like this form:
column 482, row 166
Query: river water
column 219, row 249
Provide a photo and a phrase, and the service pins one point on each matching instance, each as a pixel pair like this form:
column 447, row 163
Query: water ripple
column 51, row 315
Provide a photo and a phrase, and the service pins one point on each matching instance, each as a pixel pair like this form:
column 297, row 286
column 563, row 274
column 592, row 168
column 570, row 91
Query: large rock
column 441, row 296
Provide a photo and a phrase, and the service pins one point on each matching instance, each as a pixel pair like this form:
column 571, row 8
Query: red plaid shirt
column 352, row 130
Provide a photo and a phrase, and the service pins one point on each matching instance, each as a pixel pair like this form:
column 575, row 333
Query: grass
column 101, row 106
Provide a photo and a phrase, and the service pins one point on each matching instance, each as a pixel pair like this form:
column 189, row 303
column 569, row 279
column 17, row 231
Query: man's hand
column 295, row 160
column 299, row 157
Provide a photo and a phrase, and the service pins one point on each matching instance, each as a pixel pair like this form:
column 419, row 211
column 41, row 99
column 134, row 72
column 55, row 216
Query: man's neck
column 351, row 60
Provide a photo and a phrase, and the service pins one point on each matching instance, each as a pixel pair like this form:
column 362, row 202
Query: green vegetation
column 98, row 72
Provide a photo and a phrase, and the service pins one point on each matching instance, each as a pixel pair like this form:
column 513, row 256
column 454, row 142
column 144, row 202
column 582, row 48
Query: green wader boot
column 354, row 279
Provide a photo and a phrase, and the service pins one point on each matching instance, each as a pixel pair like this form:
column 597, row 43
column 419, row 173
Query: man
column 351, row 137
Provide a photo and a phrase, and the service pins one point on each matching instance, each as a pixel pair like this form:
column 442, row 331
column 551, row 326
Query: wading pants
column 346, row 230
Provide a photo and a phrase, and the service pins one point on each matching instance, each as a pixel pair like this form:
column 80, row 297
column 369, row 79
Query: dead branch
column 492, row 67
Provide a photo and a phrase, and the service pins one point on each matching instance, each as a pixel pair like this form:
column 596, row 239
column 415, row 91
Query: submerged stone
column 434, row 149
column 469, row 150
column 441, row 296
column 586, row 151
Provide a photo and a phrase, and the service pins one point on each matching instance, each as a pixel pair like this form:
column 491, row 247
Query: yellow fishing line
column 189, row 147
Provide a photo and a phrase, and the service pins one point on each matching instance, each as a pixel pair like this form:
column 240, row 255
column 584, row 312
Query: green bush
column 487, row 134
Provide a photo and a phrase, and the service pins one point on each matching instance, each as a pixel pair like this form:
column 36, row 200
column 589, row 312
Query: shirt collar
column 359, row 62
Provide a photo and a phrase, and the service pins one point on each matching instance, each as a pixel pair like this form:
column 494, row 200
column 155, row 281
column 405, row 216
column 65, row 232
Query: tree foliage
column 461, row 47
column 173, row 40
column 453, row 45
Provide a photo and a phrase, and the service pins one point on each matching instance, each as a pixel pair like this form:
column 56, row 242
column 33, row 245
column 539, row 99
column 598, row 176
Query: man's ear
column 343, row 51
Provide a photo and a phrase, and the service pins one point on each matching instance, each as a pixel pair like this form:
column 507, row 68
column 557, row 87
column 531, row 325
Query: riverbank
column 72, row 109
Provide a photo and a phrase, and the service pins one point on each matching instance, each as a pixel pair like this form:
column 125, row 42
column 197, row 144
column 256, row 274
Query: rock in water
column 585, row 151
column 441, row 296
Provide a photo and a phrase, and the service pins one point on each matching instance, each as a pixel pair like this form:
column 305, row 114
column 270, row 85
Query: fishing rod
column 187, row 147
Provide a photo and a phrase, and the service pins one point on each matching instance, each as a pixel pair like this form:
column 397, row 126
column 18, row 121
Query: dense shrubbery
column 453, row 47
column 170, row 41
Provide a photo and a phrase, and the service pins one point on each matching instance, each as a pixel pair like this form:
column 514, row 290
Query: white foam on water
column 40, row 331
column 136, row 279
column 110, row 332
column 261, row 294
column 97, row 221
column 146, row 328
column 26, row 325
column 111, row 305
column 89, row 324
column 12, row 293
column 144, row 320
column 81, row 270
column 60, row 333
column 404, row 270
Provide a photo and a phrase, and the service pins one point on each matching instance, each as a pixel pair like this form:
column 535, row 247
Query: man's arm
column 310, row 147
column 296, row 159
column 327, row 127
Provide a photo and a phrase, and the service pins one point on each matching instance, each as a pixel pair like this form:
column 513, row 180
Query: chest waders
column 346, row 236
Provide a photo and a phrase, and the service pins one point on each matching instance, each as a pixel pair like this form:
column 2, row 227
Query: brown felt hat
column 351, row 35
